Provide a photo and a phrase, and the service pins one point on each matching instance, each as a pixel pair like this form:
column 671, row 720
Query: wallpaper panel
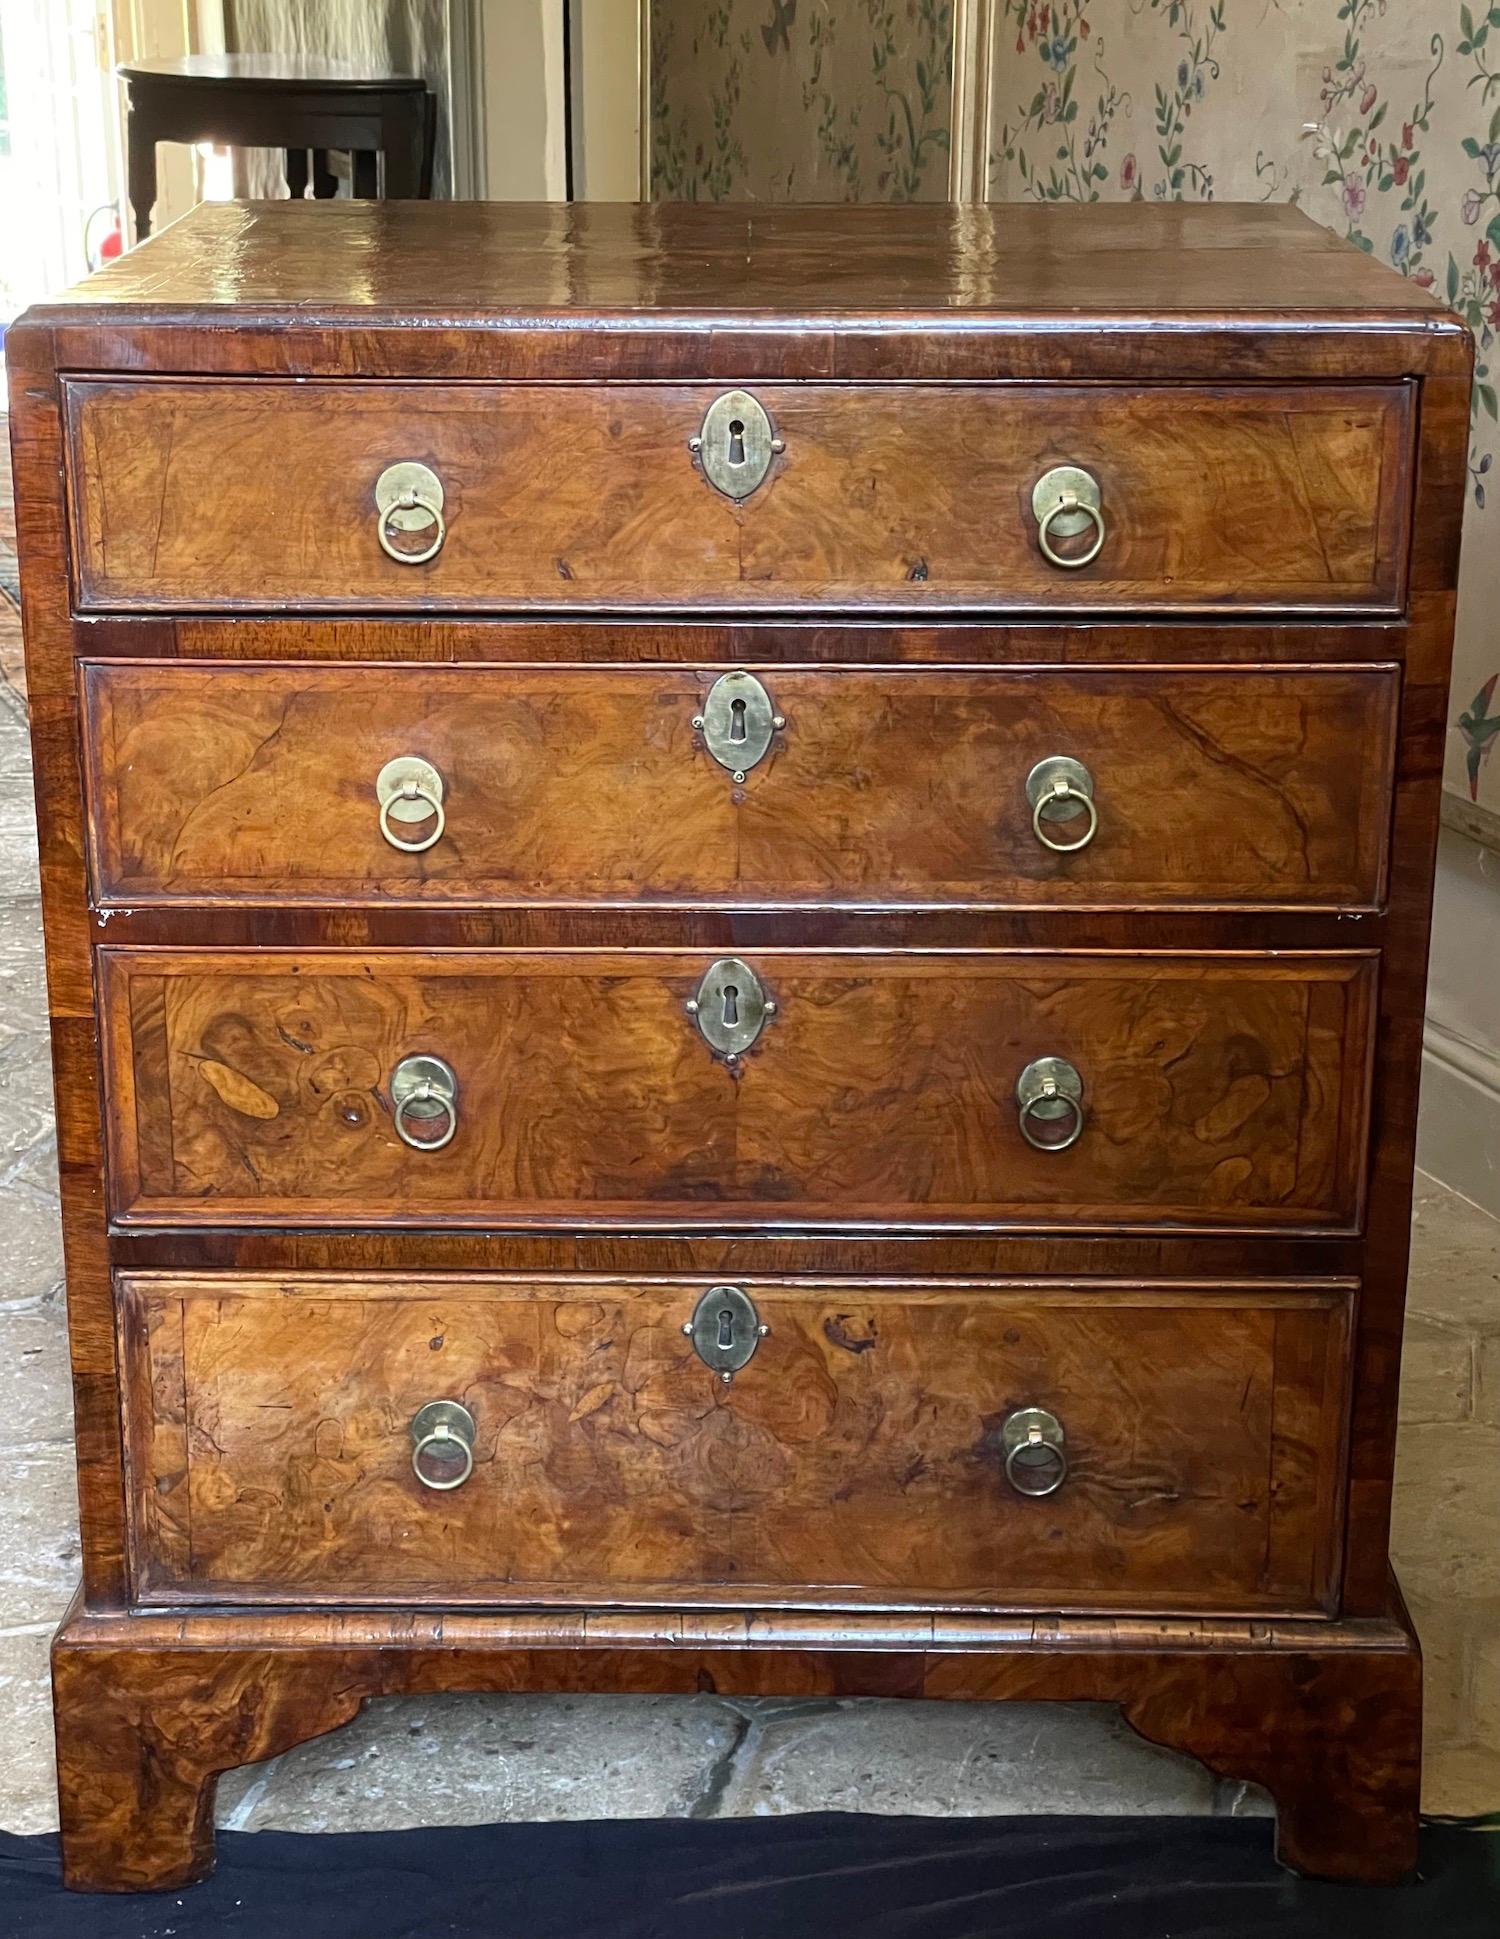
column 1381, row 118
column 800, row 100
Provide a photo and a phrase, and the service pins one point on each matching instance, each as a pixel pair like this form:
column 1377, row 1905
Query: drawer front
column 1205, row 787
column 860, row 1456
column 1227, row 1091
column 216, row 495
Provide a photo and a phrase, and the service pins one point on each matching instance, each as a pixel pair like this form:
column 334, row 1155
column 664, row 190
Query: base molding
column 1326, row 1716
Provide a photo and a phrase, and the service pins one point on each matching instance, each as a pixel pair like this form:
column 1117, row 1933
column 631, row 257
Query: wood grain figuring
column 1220, row 1091
column 1327, row 1717
column 590, row 640
column 573, row 785
column 225, row 495
column 1280, row 425
column 856, row 1460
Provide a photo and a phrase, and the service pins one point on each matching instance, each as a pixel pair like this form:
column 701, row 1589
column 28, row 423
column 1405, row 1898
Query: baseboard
column 1458, row 1123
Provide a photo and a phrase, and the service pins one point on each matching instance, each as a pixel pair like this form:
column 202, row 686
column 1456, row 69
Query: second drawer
column 1181, row 786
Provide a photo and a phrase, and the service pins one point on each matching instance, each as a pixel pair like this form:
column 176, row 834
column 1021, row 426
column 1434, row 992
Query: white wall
column 607, row 55
column 1458, row 1136
column 522, row 123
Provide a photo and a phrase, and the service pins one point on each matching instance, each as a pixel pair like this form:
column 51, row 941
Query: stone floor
column 461, row 1760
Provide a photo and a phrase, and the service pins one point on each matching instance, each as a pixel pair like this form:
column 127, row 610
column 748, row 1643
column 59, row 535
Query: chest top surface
column 509, row 263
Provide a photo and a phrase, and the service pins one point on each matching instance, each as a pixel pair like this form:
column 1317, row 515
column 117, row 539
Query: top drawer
column 927, row 498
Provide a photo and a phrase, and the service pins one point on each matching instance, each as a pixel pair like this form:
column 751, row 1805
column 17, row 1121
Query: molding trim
column 969, row 122
column 466, row 99
column 643, row 77
column 1468, row 818
column 1458, row 1123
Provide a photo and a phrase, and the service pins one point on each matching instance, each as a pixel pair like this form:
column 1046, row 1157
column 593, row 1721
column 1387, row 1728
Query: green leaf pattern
column 801, row 100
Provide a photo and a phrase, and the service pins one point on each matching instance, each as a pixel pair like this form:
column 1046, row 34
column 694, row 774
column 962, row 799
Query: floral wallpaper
column 801, row 100
column 1381, row 118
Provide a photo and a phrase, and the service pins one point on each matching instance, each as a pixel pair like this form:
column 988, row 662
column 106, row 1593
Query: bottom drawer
column 877, row 1447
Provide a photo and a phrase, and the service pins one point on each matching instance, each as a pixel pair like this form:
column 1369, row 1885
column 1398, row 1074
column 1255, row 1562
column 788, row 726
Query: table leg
column 140, row 145
column 296, row 173
column 402, row 140
column 366, row 174
column 325, row 183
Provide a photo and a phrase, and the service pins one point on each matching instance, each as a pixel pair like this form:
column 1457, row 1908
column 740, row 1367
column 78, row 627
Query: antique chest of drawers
column 736, row 911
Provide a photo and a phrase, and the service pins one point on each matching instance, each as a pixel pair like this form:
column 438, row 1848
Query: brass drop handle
column 1066, row 501
column 409, row 791
column 408, row 498
column 1049, row 1094
column 424, row 1090
column 442, row 1432
column 1061, row 790
column 1036, row 1457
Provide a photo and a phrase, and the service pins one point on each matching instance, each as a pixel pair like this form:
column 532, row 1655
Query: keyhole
column 726, row 1329
column 736, row 720
column 731, row 1006
column 736, row 441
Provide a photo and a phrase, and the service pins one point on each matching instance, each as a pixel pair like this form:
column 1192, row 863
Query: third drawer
column 821, row 1087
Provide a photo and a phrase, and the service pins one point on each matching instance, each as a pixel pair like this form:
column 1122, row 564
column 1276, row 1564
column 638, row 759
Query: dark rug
column 821, row 1877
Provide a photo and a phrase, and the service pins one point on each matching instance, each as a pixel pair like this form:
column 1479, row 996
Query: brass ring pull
column 414, row 501
column 1065, row 503
column 1061, row 792
column 414, row 791
column 410, row 790
column 1036, row 1460
column 444, row 1428
column 423, row 1089
column 409, row 497
column 1051, row 787
column 1049, row 1093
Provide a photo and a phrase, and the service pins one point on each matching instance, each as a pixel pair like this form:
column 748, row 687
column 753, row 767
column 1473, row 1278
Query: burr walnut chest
column 736, row 909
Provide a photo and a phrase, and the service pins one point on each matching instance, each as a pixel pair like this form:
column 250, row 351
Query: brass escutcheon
column 725, row 1330
column 735, row 444
column 738, row 722
column 730, row 1007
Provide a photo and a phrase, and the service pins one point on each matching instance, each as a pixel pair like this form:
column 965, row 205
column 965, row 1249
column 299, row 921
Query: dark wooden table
column 302, row 104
